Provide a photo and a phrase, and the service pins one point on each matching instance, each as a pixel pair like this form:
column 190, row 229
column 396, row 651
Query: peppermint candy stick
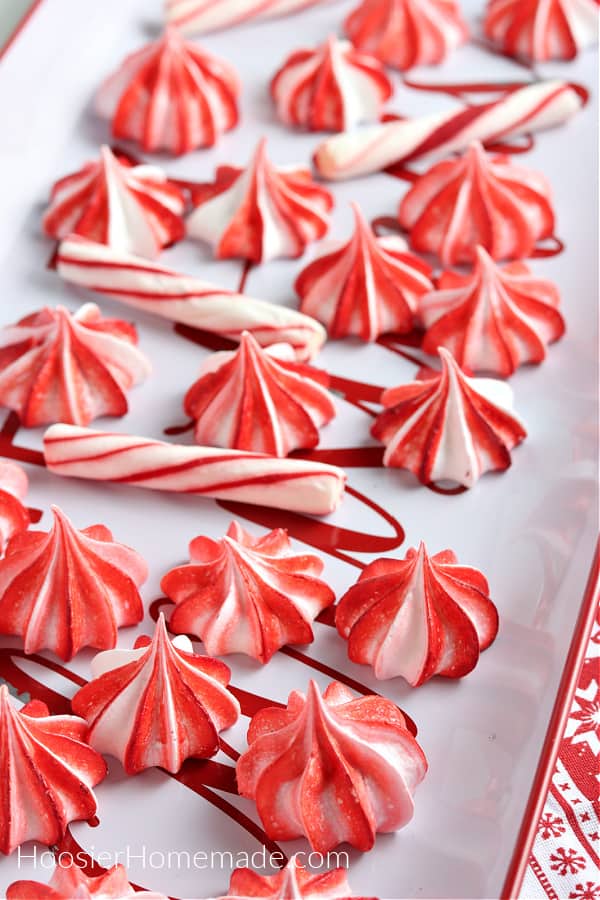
column 200, row 16
column 524, row 110
column 291, row 484
column 182, row 298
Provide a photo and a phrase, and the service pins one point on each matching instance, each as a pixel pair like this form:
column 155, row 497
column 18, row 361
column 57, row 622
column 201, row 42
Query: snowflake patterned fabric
column 564, row 862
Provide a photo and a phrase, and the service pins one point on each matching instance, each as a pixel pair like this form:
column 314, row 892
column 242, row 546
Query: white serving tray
column 531, row 530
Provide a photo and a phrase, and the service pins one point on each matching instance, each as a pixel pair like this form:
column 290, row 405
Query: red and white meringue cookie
column 158, row 704
column 418, row 617
column 47, row 772
column 494, row 319
column 56, row 366
column 260, row 212
column 246, row 594
column 407, row 33
column 333, row 768
column 259, row 399
column 330, row 88
column 66, row 589
column 171, row 96
column 366, row 287
column 70, row 881
column 134, row 209
column 477, row 199
column 293, row 882
column 449, row 427
column 540, row 30
column 14, row 517
column 199, row 16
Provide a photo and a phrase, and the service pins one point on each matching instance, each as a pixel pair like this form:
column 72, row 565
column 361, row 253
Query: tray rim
column 589, row 605
column 554, row 734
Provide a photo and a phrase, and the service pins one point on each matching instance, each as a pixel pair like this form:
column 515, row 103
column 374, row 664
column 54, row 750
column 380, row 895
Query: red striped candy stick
column 290, row 484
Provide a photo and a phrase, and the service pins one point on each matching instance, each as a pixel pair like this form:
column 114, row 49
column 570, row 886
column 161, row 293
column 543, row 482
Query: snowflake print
column 566, row 862
column 584, row 720
column 587, row 891
column 551, row 826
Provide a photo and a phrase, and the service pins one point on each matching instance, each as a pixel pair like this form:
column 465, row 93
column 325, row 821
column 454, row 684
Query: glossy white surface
column 531, row 529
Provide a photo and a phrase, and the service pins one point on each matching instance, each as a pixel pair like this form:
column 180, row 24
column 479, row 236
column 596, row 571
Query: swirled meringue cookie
column 66, row 589
column 70, row 882
column 56, row 366
column 418, row 617
column 331, row 88
column 293, row 882
column 541, row 30
column 449, row 427
column 407, row 33
column 14, row 516
column 133, row 209
column 259, row 399
column 158, row 704
column 333, row 768
column 47, row 773
column 494, row 319
column 171, row 96
column 366, row 287
column 260, row 212
column 246, row 594
column 477, row 199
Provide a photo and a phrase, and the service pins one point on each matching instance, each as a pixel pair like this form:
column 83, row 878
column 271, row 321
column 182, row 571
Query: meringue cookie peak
column 542, row 29
column 477, row 199
column 330, row 88
column 66, row 589
column 158, row 705
column 70, row 882
column 366, row 287
column 116, row 659
column 58, row 366
column 407, row 33
column 493, row 320
column 133, row 209
column 418, row 617
column 261, row 212
column 47, row 772
column 293, row 882
column 262, row 400
column 14, row 517
column 246, row 594
column 332, row 768
column 449, row 427
column 171, row 96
